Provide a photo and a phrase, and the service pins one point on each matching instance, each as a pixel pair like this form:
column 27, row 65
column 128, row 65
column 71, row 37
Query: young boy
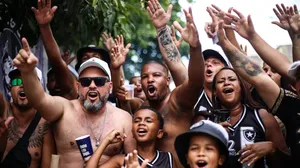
column 205, row 145
column 147, row 127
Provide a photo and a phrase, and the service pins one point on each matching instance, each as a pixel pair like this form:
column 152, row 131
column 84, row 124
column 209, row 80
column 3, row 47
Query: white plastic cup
column 130, row 91
column 85, row 146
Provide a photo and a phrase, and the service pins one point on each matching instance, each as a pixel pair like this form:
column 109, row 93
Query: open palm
column 44, row 14
column 158, row 16
column 295, row 23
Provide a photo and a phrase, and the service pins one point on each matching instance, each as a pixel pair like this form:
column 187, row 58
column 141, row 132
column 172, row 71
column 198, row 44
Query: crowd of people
column 224, row 112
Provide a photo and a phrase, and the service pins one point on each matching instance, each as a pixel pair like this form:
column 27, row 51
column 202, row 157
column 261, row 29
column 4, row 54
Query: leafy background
column 79, row 23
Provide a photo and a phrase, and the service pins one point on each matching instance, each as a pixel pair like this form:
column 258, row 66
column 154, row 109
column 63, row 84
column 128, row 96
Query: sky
column 261, row 12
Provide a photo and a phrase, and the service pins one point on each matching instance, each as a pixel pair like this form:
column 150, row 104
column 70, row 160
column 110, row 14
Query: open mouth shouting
column 92, row 95
column 141, row 132
column 22, row 95
column 228, row 90
column 151, row 90
column 201, row 164
column 209, row 73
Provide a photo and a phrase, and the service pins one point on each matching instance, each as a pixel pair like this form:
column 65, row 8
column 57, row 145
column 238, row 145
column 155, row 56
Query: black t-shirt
column 287, row 108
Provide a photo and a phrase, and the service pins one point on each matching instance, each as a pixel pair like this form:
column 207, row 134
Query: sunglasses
column 99, row 81
column 16, row 82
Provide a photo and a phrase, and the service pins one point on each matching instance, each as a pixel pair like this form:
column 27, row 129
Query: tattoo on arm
column 298, row 36
column 239, row 60
column 166, row 42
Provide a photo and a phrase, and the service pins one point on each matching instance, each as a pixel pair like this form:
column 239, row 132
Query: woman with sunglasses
column 254, row 134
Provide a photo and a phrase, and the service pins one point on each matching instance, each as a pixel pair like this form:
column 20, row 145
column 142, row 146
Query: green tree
column 78, row 23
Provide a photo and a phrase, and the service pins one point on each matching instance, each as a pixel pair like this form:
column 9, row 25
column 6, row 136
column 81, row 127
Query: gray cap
column 202, row 127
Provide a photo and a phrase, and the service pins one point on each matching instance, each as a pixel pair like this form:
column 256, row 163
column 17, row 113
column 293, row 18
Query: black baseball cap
column 103, row 52
column 215, row 54
column 207, row 127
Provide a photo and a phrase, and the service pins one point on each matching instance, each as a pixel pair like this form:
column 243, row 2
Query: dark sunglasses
column 99, row 81
column 16, row 82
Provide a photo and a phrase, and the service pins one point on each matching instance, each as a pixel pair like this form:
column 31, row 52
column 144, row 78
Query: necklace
column 103, row 125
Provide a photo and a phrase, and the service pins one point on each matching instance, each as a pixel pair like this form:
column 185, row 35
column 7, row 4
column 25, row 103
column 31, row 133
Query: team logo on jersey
column 249, row 134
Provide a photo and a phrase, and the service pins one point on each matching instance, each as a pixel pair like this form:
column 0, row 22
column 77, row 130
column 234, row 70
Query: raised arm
column 294, row 22
column 168, row 49
column 118, row 55
column 248, row 69
column 244, row 27
column 51, row 108
column 187, row 94
column 44, row 15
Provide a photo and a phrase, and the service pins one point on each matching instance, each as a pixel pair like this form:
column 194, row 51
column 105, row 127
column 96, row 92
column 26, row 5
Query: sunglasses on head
column 99, row 81
column 16, row 82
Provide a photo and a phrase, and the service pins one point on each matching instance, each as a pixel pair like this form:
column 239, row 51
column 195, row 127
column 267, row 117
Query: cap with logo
column 103, row 53
column 95, row 62
column 202, row 127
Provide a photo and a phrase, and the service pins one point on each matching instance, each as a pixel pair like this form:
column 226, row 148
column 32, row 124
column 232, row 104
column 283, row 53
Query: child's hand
column 115, row 136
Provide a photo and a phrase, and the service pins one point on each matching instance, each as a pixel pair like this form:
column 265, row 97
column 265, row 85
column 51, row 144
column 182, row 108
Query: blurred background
column 78, row 23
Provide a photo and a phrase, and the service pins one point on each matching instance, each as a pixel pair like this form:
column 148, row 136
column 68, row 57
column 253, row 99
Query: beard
column 96, row 106
column 22, row 106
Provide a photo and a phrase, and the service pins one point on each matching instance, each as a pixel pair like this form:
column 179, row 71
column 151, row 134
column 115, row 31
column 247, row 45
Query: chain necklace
column 103, row 125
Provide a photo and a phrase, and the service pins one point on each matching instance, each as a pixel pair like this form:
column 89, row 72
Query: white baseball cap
column 95, row 62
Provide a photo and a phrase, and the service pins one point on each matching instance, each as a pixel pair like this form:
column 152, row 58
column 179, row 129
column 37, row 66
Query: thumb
column 177, row 26
column 8, row 120
column 54, row 8
column 169, row 11
column 25, row 45
column 250, row 21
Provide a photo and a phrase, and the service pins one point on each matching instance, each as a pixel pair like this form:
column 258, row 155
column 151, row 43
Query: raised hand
column 115, row 136
column 294, row 19
column 177, row 42
column 217, row 14
column 253, row 152
column 158, row 16
column 108, row 40
column 282, row 15
column 131, row 161
column 67, row 57
column 243, row 26
column 25, row 61
column 189, row 33
column 44, row 14
column 119, row 42
column 116, row 57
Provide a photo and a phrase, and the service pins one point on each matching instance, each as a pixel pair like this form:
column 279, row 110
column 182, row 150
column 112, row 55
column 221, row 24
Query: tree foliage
column 78, row 23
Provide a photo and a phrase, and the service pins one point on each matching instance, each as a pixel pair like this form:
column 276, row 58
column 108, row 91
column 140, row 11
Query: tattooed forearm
column 167, row 43
column 239, row 60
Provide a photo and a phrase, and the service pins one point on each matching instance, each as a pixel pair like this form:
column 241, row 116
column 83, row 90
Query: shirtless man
column 90, row 114
column 177, row 106
column 41, row 142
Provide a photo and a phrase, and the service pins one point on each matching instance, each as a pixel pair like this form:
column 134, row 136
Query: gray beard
column 94, row 107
